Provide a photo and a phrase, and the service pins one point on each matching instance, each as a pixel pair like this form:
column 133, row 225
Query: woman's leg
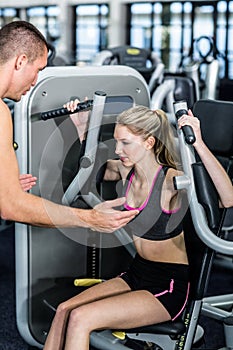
column 55, row 338
column 122, row 311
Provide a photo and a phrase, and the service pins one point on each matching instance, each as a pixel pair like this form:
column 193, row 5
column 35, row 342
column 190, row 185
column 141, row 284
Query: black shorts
column 168, row 282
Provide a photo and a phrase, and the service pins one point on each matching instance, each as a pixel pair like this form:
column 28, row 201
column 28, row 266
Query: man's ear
column 21, row 61
column 150, row 142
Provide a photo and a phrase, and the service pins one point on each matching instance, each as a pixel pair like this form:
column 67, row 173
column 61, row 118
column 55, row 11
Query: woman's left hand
column 27, row 181
column 194, row 122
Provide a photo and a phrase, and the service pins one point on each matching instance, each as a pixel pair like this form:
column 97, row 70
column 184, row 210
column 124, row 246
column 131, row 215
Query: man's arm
column 20, row 206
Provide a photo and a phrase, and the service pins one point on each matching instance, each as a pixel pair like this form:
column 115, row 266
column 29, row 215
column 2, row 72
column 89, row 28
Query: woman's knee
column 62, row 309
column 80, row 318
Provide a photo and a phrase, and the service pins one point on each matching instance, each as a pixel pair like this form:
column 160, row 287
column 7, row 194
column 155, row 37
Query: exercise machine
column 165, row 88
column 49, row 260
column 147, row 63
column 220, row 307
column 202, row 64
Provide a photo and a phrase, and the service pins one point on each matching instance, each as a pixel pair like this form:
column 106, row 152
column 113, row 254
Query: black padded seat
column 171, row 328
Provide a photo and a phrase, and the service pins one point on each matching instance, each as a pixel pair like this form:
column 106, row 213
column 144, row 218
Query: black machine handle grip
column 64, row 111
column 180, row 108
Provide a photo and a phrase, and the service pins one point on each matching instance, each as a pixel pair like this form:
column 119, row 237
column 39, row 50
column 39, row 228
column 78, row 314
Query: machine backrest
column 217, row 130
column 137, row 58
column 199, row 255
column 185, row 88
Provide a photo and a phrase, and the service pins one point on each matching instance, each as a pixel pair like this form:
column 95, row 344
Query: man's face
column 25, row 76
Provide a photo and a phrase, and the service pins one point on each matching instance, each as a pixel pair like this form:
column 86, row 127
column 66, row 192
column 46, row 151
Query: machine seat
column 171, row 328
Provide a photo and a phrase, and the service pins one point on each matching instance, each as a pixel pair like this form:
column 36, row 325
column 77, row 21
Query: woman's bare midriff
column 170, row 250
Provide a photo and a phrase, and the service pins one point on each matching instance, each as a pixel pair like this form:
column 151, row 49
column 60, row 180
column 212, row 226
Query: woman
column 155, row 287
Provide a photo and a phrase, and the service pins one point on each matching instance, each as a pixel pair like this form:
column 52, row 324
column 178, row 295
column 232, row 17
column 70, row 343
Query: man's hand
column 104, row 218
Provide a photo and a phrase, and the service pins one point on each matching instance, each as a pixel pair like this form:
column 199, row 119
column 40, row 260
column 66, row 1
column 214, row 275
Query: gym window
column 45, row 18
column 7, row 15
column 91, row 33
column 171, row 29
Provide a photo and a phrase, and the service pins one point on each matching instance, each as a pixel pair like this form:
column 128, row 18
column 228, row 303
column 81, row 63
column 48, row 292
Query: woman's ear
column 150, row 142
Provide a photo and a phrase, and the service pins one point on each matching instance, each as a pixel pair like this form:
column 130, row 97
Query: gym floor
column 221, row 282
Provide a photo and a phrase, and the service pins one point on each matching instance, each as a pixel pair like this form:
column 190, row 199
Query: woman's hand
column 72, row 105
column 79, row 119
column 194, row 122
column 27, row 181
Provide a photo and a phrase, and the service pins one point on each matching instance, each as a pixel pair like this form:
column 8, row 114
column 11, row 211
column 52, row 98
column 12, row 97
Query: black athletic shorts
column 169, row 282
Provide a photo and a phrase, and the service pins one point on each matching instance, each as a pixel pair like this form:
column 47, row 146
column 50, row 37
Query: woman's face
column 130, row 148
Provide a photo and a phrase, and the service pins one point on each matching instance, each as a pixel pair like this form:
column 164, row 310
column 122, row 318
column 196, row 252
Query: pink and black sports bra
column 153, row 222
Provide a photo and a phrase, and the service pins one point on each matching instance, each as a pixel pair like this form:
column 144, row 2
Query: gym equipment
column 220, row 307
column 63, row 111
column 165, row 88
column 225, row 89
column 88, row 160
column 202, row 64
column 197, row 77
column 147, row 63
column 173, row 88
column 181, row 108
column 49, row 260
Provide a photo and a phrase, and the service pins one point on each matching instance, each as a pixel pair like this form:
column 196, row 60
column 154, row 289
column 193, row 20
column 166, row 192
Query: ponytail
column 165, row 149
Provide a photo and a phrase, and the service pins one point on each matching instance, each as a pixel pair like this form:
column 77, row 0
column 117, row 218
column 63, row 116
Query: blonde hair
column 141, row 120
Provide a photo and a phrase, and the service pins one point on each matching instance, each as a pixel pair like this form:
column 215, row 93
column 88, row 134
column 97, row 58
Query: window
column 91, row 30
column 173, row 31
column 7, row 15
column 45, row 19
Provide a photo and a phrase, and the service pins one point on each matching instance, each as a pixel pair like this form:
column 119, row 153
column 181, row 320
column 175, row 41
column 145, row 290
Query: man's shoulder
column 4, row 108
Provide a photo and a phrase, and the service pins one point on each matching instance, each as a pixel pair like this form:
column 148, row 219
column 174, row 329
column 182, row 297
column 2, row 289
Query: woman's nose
column 117, row 149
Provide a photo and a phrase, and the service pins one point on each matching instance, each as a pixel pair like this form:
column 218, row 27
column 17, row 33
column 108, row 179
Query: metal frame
column 56, row 85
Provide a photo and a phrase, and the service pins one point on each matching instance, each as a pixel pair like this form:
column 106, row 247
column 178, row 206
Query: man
column 23, row 55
